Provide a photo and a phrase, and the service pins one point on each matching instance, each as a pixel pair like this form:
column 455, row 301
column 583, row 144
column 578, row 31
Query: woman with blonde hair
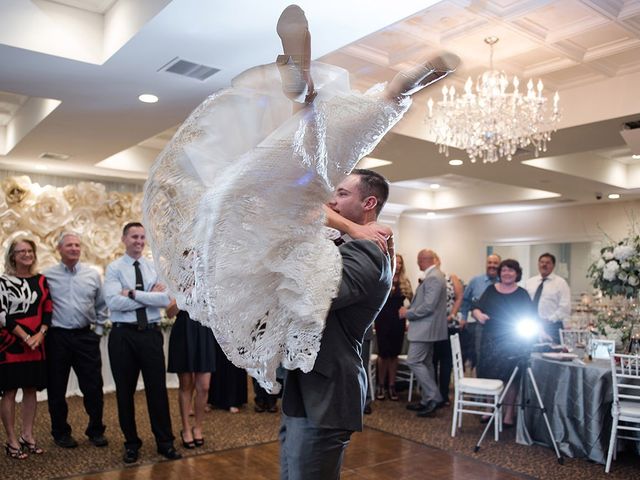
column 390, row 329
column 26, row 308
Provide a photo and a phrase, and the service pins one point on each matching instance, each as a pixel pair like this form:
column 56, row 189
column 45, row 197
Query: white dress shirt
column 121, row 276
column 555, row 301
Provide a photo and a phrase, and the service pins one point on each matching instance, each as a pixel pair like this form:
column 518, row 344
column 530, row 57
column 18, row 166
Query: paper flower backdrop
column 42, row 213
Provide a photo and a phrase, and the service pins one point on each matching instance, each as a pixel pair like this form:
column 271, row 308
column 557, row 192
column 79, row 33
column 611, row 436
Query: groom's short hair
column 373, row 184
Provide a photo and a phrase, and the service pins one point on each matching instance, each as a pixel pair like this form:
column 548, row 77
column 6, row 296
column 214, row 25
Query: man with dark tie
column 78, row 303
column 551, row 296
column 134, row 296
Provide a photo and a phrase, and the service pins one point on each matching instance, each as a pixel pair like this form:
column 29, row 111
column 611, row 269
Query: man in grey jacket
column 322, row 408
column 427, row 316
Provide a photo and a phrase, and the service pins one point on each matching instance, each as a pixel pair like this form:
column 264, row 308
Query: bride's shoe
column 427, row 73
column 294, row 65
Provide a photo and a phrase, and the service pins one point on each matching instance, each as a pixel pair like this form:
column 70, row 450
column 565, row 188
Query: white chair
column 601, row 348
column 570, row 338
column 372, row 373
column 625, row 372
column 405, row 374
column 473, row 395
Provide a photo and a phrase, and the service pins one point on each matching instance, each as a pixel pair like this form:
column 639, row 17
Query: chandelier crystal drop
column 490, row 122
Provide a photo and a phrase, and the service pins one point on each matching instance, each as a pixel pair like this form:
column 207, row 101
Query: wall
column 461, row 241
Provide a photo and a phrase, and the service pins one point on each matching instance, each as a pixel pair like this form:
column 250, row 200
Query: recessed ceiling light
column 434, row 186
column 455, row 162
column 635, row 157
column 148, row 98
column 431, row 214
column 614, row 196
column 41, row 167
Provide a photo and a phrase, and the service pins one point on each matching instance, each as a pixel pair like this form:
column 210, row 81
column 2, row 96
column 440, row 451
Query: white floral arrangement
column 617, row 270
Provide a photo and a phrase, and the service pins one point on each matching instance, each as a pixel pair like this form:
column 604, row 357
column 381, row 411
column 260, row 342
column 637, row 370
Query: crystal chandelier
column 491, row 123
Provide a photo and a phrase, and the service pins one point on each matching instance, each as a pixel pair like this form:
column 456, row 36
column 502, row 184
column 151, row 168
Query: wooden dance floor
column 372, row 455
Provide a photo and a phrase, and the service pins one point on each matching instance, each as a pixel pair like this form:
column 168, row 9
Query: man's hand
column 158, row 287
column 402, row 313
column 480, row 316
column 125, row 292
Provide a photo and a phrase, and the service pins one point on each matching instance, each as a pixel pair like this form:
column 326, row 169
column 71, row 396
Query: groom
column 322, row 408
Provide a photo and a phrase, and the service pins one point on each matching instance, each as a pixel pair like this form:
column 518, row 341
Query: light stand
column 524, row 366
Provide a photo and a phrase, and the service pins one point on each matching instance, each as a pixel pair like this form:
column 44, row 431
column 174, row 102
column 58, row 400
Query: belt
column 70, row 330
column 134, row 326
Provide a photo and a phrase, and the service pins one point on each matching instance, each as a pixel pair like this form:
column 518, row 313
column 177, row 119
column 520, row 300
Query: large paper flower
column 91, row 195
column 17, row 191
column 136, row 207
column 101, row 242
column 119, row 206
column 49, row 212
column 10, row 221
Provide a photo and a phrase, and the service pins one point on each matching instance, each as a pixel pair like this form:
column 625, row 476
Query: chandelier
column 489, row 122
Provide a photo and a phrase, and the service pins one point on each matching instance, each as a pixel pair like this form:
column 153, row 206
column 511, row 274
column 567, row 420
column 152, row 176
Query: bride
column 234, row 205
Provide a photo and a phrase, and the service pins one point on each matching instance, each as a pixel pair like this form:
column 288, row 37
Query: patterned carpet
column 224, row 430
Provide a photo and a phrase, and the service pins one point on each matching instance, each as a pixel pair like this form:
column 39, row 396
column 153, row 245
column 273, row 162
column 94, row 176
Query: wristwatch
column 131, row 294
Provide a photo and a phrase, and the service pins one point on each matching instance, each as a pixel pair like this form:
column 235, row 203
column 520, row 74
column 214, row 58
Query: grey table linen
column 578, row 400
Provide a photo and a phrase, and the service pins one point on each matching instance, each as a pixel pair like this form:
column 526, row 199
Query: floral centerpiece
column 616, row 274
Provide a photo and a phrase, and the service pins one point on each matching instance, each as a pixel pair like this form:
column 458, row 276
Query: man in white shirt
column 134, row 296
column 551, row 295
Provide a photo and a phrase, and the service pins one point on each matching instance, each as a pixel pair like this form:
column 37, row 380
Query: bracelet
column 44, row 332
column 26, row 339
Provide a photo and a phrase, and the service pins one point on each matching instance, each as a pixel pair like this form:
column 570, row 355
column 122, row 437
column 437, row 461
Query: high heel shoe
column 30, row 447
column 198, row 442
column 393, row 396
column 380, row 393
column 14, row 452
column 189, row 445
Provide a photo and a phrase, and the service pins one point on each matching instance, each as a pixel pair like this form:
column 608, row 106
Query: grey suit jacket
column 427, row 314
column 333, row 394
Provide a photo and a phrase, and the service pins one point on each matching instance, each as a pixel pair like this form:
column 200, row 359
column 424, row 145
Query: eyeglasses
column 23, row 252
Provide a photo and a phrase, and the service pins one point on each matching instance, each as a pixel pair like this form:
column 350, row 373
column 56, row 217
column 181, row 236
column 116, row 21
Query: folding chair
column 473, row 395
column 625, row 372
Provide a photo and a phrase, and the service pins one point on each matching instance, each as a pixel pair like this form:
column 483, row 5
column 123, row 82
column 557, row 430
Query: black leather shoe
column 416, row 407
column 429, row 410
column 170, row 454
column 66, row 442
column 130, row 455
column 99, row 441
column 367, row 409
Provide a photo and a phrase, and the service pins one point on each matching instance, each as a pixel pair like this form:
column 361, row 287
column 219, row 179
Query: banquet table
column 578, row 397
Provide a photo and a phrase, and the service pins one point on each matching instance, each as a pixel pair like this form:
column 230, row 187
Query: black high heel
column 380, row 393
column 189, row 445
column 198, row 442
column 31, row 447
column 14, row 452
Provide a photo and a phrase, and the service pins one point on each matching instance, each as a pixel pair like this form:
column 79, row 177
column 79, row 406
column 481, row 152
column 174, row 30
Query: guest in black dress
column 499, row 310
column 192, row 355
column 25, row 307
column 228, row 384
column 390, row 330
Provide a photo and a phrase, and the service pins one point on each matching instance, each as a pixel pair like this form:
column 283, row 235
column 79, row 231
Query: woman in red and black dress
column 26, row 308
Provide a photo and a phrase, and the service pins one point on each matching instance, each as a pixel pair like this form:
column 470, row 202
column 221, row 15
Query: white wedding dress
column 233, row 212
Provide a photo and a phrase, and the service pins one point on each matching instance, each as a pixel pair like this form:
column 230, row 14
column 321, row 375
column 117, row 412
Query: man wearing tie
column 551, row 296
column 135, row 297
column 427, row 316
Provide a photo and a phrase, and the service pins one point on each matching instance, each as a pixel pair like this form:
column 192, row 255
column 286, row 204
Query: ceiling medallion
column 489, row 122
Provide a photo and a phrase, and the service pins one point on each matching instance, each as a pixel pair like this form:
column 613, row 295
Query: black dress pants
column 78, row 349
column 132, row 351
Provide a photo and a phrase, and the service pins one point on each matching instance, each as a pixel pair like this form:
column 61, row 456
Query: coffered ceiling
column 72, row 71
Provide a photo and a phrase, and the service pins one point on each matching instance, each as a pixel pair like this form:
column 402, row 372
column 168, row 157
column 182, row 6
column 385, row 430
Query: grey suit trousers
column 308, row 452
column 420, row 361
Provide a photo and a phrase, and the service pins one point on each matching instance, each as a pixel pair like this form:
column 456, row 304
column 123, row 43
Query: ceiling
column 73, row 69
